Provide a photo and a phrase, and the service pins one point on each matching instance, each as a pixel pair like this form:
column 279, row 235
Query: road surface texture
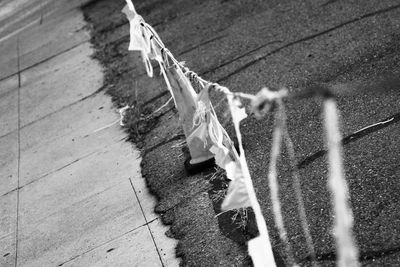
column 71, row 193
column 350, row 46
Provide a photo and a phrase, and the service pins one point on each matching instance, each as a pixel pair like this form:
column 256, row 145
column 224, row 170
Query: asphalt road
column 352, row 46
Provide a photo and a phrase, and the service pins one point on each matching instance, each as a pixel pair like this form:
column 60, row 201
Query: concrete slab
column 7, row 250
column 9, row 57
column 8, row 84
column 8, row 112
column 46, row 159
column 67, row 136
column 17, row 16
column 8, row 213
column 79, row 228
column 8, row 217
column 76, row 182
column 45, row 41
column 8, row 162
column 166, row 246
column 133, row 249
column 76, row 173
column 38, row 95
column 82, row 118
column 54, row 7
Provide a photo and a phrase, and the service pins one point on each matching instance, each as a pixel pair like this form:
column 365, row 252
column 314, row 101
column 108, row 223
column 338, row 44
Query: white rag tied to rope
column 206, row 138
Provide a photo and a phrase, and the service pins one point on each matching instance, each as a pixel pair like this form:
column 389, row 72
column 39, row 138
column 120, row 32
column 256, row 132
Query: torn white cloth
column 213, row 135
column 211, row 131
column 260, row 248
column 139, row 36
column 186, row 103
column 237, row 196
column 145, row 39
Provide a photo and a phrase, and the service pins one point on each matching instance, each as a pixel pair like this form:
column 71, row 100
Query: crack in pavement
column 261, row 47
column 219, row 37
column 239, row 57
column 155, row 97
column 307, row 38
column 147, row 223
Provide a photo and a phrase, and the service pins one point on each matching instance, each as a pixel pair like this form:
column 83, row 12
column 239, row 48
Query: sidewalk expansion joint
column 61, row 168
column 51, row 172
column 147, row 223
column 64, row 107
column 107, row 242
column 76, row 204
column 19, row 152
column 56, row 111
column 42, row 61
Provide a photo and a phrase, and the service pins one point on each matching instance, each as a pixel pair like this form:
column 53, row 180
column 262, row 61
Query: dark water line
column 364, row 255
column 352, row 138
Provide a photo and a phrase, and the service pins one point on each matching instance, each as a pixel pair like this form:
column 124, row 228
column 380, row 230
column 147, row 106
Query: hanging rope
column 297, row 189
column 273, row 181
column 151, row 47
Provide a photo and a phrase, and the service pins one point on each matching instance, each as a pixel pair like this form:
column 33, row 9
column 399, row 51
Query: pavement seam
column 56, row 111
column 103, row 148
column 77, row 203
column 44, row 60
column 107, row 242
column 147, row 223
column 19, row 152
column 64, row 107
column 60, row 168
column 52, row 172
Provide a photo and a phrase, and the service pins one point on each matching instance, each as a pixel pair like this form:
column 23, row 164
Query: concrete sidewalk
column 71, row 192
